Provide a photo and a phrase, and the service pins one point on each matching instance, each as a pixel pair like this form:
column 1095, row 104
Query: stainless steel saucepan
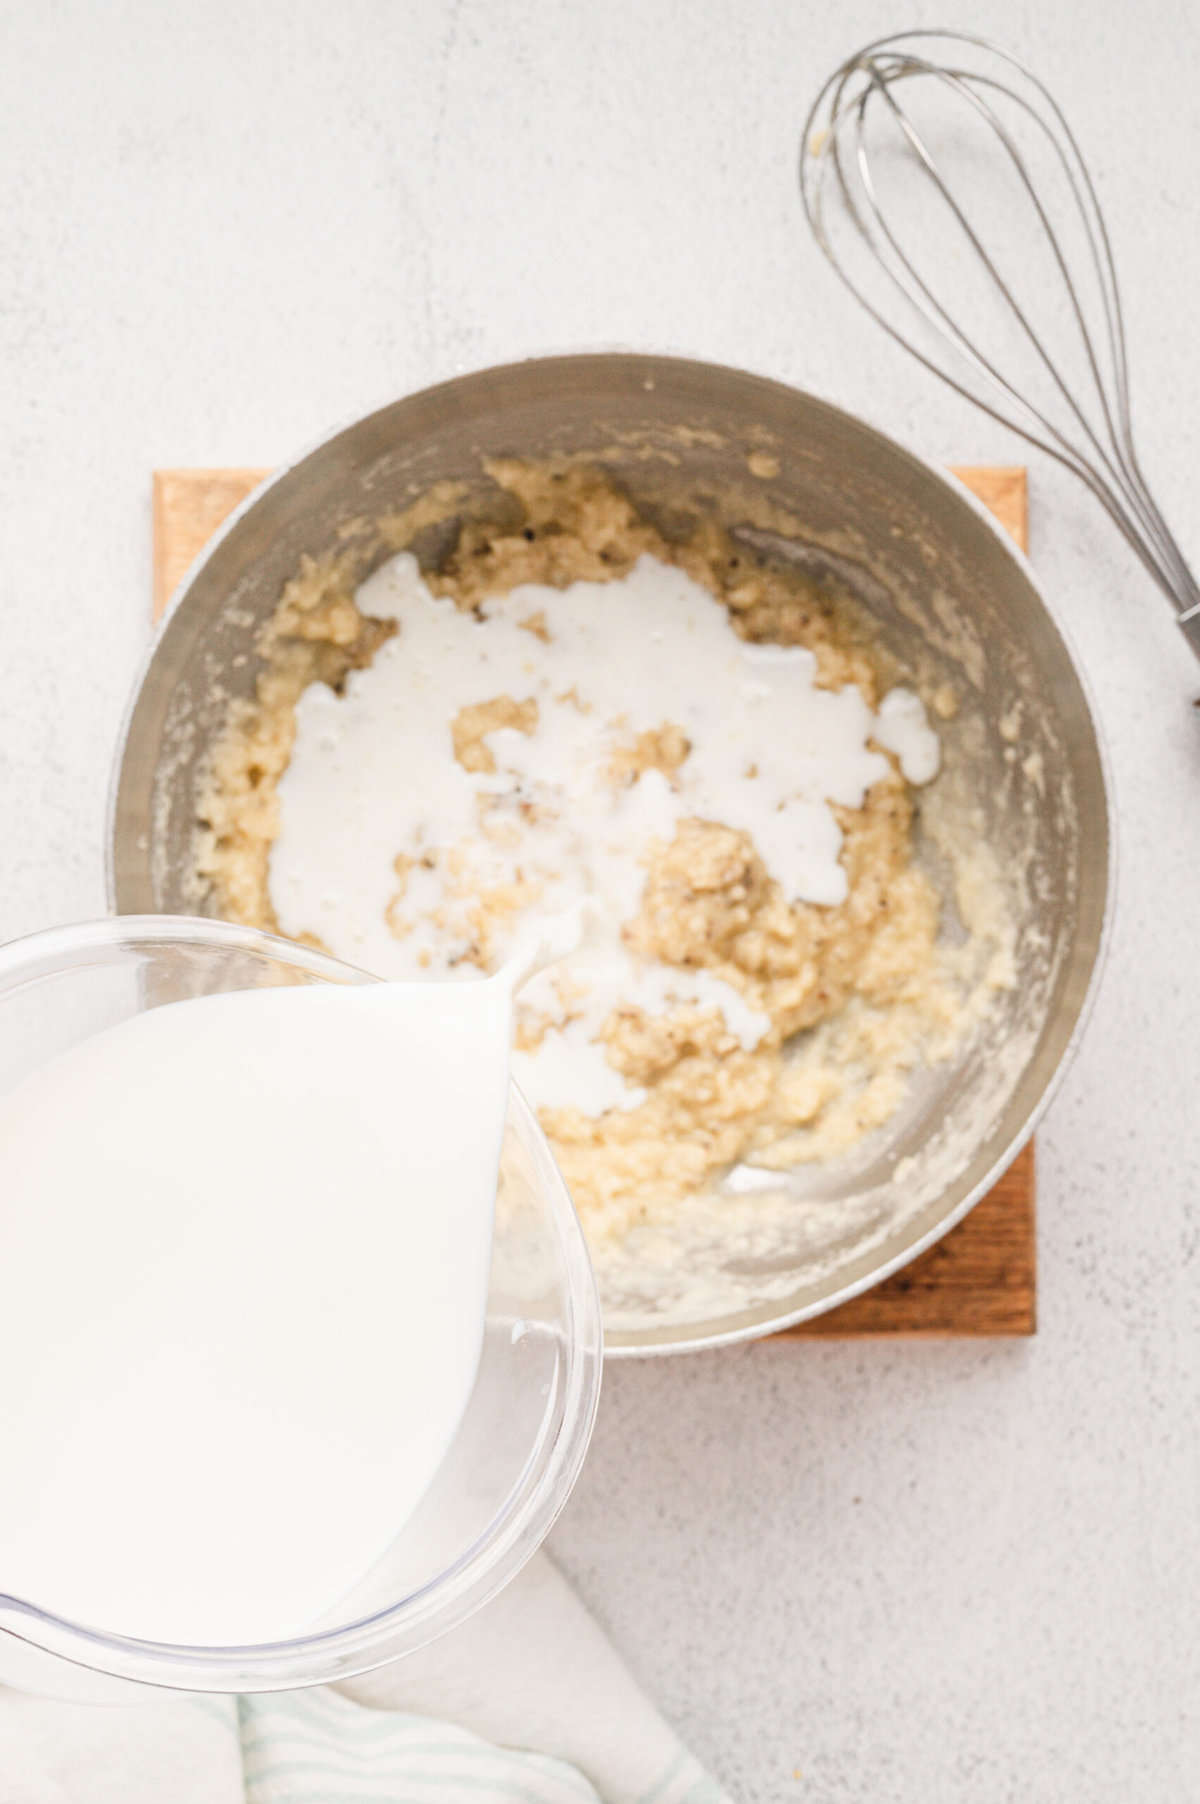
column 948, row 596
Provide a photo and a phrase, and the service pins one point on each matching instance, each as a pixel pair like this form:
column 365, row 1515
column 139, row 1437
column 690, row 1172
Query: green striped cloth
column 321, row 1748
column 527, row 1703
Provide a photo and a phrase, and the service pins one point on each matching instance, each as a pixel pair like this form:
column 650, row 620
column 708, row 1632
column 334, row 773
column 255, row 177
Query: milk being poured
column 388, row 841
column 246, row 1244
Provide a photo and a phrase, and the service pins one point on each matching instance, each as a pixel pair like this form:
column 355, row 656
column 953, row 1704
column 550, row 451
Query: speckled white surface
column 888, row 1574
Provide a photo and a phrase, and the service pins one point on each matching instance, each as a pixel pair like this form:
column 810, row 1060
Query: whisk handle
column 1189, row 625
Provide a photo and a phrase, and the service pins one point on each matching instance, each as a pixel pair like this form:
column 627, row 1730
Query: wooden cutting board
column 982, row 1278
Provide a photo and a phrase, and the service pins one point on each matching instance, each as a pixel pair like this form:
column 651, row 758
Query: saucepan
column 948, row 599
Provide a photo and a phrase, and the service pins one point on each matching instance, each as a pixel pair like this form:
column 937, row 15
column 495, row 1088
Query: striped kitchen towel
column 527, row 1703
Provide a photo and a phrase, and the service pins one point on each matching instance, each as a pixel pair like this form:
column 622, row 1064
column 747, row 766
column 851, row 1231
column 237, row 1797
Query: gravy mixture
column 698, row 741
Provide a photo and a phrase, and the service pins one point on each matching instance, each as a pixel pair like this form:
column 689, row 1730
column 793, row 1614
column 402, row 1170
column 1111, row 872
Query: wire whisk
column 919, row 235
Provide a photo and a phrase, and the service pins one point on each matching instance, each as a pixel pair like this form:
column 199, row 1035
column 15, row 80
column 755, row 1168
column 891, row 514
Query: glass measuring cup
column 522, row 1441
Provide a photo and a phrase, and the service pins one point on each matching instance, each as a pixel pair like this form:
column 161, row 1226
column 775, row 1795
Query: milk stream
column 245, row 1242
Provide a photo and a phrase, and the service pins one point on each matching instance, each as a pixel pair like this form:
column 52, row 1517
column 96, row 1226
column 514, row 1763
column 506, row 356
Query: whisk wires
column 1087, row 427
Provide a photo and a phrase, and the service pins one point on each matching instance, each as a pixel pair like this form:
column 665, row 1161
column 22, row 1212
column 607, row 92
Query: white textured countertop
column 870, row 1572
